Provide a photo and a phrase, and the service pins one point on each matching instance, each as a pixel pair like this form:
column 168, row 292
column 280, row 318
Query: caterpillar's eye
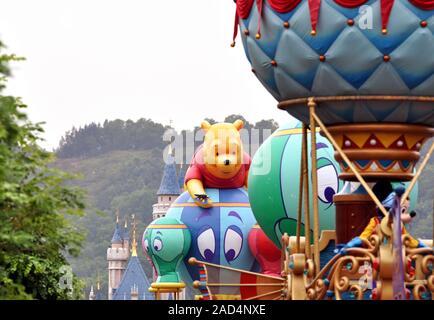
column 233, row 243
column 158, row 244
column 328, row 181
column 206, row 244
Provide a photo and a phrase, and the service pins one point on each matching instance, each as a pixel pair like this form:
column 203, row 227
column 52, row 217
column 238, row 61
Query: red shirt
column 197, row 170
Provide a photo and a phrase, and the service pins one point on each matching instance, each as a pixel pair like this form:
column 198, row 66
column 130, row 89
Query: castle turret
column 117, row 257
column 169, row 188
column 91, row 294
column 181, row 175
column 134, row 292
column 98, row 293
column 134, row 284
column 126, row 235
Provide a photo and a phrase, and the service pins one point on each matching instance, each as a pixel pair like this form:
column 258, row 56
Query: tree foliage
column 35, row 234
column 118, row 135
column 96, row 139
column 119, row 180
column 422, row 226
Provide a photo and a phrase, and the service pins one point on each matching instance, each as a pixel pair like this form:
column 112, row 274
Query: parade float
column 359, row 76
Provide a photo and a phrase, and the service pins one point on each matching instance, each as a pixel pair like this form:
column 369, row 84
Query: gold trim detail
column 290, row 131
column 215, row 204
column 167, row 226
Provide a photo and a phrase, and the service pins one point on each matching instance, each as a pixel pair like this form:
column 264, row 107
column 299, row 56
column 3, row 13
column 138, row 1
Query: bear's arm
column 247, row 163
column 193, row 172
column 193, row 181
column 246, row 179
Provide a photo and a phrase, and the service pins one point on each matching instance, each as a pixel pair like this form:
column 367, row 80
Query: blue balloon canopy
column 349, row 55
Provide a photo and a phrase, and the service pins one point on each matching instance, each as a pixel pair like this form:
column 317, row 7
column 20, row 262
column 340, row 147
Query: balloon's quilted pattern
column 355, row 60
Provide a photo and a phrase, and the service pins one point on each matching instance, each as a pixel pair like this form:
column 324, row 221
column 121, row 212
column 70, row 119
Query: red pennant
column 237, row 21
column 259, row 5
column 386, row 9
column 242, row 11
column 314, row 6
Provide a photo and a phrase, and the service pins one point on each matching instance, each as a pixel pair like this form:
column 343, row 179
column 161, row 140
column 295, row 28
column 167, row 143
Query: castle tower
column 134, row 292
column 91, row 294
column 126, row 235
column 117, row 257
column 134, row 284
column 181, row 176
column 98, row 294
column 95, row 294
column 169, row 188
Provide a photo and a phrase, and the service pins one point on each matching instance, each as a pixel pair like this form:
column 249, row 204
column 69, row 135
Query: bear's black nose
column 227, row 162
column 413, row 214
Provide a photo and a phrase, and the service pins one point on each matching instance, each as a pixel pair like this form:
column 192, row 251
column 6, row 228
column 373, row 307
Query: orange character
column 220, row 162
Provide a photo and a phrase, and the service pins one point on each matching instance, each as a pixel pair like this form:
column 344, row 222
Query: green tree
column 35, row 233
column 267, row 124
column 233, row 117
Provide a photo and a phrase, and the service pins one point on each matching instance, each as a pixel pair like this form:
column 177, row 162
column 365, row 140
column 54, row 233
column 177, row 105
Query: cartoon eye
column 328, row 182
column 233, row 243
column 206, row 244
column 146, row 245
column 158, row 244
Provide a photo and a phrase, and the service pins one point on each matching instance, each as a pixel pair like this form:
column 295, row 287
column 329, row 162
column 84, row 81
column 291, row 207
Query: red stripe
column 351, row 3
column 244, row 7
column 423, row 4
column 283, row 6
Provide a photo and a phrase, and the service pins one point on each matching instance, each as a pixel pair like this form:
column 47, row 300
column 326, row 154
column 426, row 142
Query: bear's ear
column 205, row 125
column 239, row 124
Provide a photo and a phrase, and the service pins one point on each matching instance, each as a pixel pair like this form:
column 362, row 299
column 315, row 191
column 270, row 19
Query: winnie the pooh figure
column 220, row 162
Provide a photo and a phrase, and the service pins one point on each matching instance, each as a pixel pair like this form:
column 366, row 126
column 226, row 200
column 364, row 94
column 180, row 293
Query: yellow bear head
column 222, row 148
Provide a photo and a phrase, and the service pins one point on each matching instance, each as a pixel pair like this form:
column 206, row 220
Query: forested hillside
column 119, row 180
column 423, row 223
column 95, row 139
column 121, row 165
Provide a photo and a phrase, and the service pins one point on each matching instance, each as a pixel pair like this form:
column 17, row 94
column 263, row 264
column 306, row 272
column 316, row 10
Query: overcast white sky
column 91, row 60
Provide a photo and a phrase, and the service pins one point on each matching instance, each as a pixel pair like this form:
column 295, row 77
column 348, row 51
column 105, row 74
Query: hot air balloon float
column 166, row 241
column 320, row 211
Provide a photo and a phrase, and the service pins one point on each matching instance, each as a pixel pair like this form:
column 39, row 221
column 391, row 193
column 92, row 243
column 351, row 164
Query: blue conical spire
column 169, row 183
column 134, row 276
column 117, row 237
column 181, row 175
column 126, row 232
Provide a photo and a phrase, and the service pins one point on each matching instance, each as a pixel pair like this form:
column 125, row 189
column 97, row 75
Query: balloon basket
column 380, row 151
